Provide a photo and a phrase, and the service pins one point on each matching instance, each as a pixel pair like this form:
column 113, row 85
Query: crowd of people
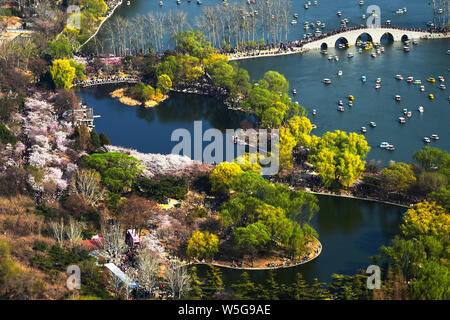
column 297, row 45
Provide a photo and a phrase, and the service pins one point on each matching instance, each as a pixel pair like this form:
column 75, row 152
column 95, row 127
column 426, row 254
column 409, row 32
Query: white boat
column 373, row 55
column 326, row 81
column 361, row 2
column 441, row 78
column 306, row 6
column 339, row 13
column 384, row 144
column 340, row 73
column 426, row 140
column 390, row 147
column 399, row 77
column 350, row 103
column 434, row 137
column 388, row 22
column 377, row 86
column 363, row 79
column 406, row 49
column 420, row 109
column 336, row 58
column 442, row 86
column 372, row 124
column 294, row 91
column 378, row 80
column 401, row 120
column 178, row 1
column 340, row 103
column 330, row 58
column 350, row 55
column 363, row 17
column 409, row 114
column 422, row 88
column 341, row 109
column 161, row 3
column 314, row 112
column 398, row 98
column 410, row 79
column 363, row 129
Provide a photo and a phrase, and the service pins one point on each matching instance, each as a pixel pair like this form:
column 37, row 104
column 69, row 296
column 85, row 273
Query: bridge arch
column 340, row 41
column 387, row 37
column 405, row 37
column 365, row 37
column 324, row 46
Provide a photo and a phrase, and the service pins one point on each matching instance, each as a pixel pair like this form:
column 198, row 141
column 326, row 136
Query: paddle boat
column 377, row 86
column 372, row 124
column 398, row 98
column 294, row 91
column 426, row 140
column 409, row 114
column 363, row 129
column 441, row 78
column 432, row 80
column 417, row 82
column 434, row 137
column 401, row 120
column 422, row 88
column 420, row 109
column 384, row 144
column 406, row 49
column 363, row 79
column 350, row 55
column 390, row 147
column 442, row 86
column 339, row 13
column 350, row 103
column 161, row 3
column 351, row 97
column 340, row 108
column 336, row 58
column 431, row 96
column 314, row 112
column 326, row 81
column 340, row 103
column 340, row 73
column 410, row 79
column 399, row 77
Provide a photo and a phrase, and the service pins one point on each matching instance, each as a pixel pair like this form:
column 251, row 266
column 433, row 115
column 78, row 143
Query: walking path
column 100, row 25
column 307, row 190
column 261, row 264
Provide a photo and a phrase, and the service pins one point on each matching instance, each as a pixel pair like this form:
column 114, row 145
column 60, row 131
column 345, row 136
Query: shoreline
column 357, row 198
column 101, row 24
column 260, row 268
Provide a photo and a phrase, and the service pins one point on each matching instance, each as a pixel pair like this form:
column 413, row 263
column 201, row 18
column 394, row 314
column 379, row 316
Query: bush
column 166, row 188
column 6, row 136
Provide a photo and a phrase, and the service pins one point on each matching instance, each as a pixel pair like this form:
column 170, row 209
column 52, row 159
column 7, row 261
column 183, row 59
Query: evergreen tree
column 95, row 140
column 213, row 281
column 195, row 284
column 104, row 141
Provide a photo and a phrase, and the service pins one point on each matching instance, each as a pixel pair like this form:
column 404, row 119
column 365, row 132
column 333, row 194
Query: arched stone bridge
column 375, row 34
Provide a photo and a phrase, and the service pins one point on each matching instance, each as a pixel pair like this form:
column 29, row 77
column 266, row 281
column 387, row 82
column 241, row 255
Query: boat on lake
column 420, row 109
column 363, row 129
column 326, row 81
column 410, row 79
column 398, row 98
column 401, row 120
column 434, row 137
column 399, row 77
column 372, row 124
column 384, row 144
column 426, row 140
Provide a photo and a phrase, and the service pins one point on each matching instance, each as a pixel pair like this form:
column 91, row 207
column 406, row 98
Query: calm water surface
column 350, row 230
